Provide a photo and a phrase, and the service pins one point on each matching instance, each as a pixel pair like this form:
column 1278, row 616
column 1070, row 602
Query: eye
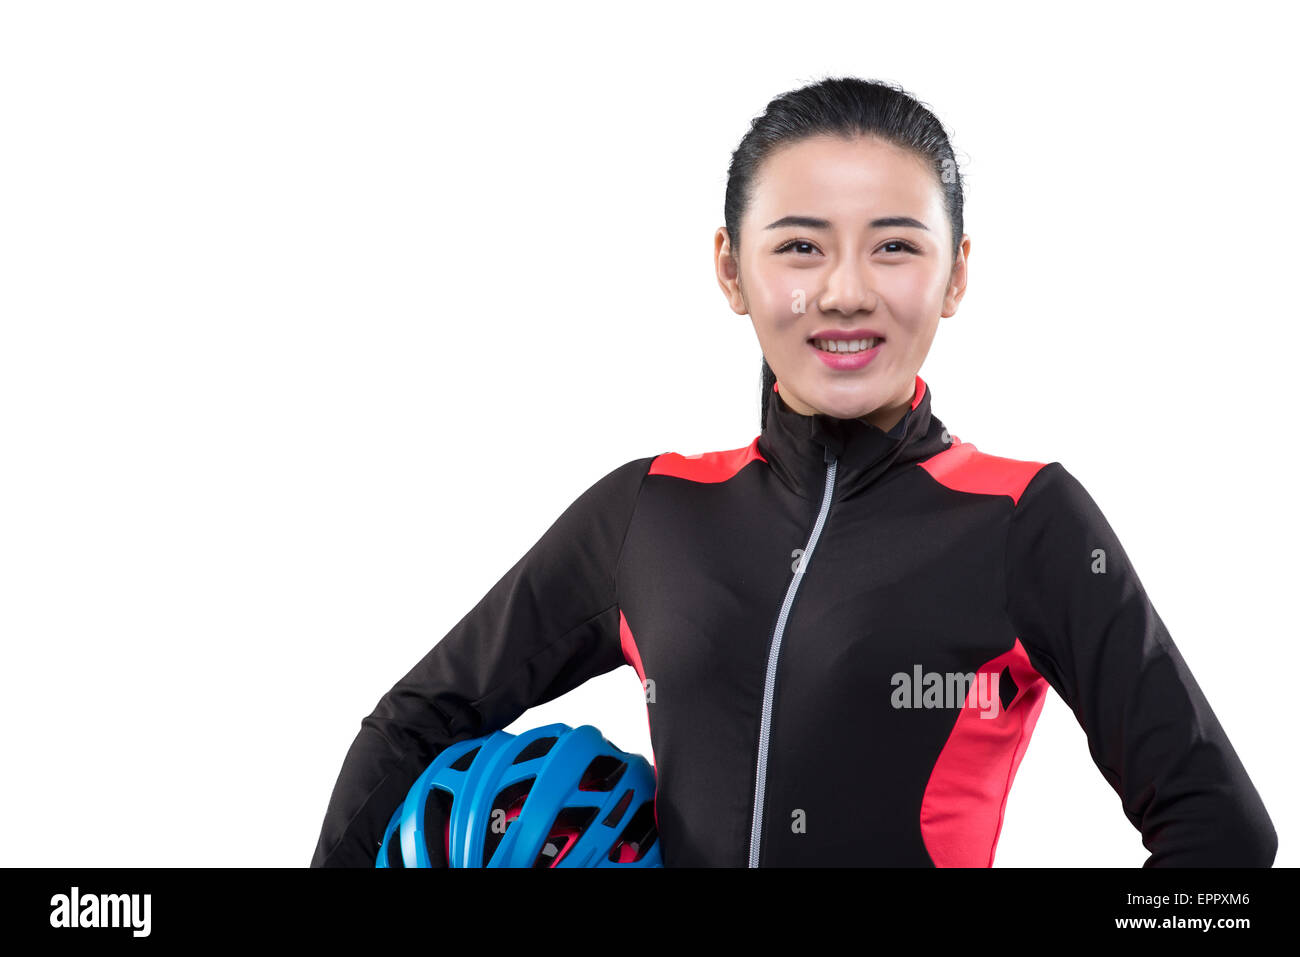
column 794, row 242
column 903, row 243
column 909, row 247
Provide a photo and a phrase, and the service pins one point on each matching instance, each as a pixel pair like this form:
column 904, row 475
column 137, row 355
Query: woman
column 847, row 628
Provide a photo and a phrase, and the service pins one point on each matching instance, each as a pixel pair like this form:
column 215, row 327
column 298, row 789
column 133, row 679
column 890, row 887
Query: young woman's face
column 844, row 237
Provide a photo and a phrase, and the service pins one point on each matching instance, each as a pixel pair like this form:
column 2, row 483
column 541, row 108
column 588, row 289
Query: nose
column 848, row 289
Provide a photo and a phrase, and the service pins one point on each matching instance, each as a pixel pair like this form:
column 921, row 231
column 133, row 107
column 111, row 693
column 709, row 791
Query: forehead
column 841, row 180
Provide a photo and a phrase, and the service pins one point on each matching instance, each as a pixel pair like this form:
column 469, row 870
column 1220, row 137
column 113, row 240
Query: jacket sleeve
column 550, row 623
column 1087, row 626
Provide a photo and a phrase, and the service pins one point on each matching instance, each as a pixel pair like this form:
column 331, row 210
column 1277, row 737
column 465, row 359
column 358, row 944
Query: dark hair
column 847, row 107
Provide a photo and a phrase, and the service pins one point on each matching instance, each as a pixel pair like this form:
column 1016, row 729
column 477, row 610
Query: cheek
column 914, row 296
column 778, row 299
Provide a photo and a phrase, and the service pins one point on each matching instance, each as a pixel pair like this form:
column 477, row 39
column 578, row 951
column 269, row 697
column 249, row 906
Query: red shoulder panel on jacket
column 706, row 466
column 965, row 468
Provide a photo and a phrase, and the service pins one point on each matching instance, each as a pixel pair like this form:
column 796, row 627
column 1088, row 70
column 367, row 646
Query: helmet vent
column 616, row 815
column 393, row 849
column 602, row 773
column 535, row 749
column 570, row 824
column 637, row 838
column 509, row 802
column 463, row 762
column 437, row 824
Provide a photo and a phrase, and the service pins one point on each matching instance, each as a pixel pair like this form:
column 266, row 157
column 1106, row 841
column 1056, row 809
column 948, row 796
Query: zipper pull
column 828, row 457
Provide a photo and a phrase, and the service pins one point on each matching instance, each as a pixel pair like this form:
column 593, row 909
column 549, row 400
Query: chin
column 845, row 410
column 848, row 402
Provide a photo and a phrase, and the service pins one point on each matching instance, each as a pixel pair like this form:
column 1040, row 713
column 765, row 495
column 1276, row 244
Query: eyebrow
column 812, row 222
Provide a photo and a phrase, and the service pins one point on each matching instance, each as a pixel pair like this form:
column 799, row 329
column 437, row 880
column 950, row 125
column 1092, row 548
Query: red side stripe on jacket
column 961, row 811
column 633, row 657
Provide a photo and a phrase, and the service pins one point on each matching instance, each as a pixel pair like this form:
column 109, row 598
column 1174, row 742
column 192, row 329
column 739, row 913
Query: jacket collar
column 798, row 447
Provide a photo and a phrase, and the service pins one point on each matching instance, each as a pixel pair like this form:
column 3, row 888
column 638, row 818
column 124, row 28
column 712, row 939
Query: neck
column 796, row 445
column 884, row 417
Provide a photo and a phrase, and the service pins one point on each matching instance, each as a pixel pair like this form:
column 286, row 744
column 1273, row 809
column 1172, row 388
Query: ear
column 728, row 272
column 957, row 279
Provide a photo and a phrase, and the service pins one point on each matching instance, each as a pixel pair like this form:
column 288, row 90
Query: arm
column 549, row 624
column 1089, row 629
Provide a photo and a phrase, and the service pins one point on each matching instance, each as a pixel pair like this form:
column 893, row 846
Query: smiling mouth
column 846, row 346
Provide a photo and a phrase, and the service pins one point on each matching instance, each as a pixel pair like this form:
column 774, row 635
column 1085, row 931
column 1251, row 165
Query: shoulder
column 706, row 466
column 620, row 485
column 963, row 467
column 1056, row 516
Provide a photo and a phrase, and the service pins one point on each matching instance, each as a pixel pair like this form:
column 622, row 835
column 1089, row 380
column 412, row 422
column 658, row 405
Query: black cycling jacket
column 846, row 637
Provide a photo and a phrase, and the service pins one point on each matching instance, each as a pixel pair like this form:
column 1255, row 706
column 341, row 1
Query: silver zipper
column 769, row 685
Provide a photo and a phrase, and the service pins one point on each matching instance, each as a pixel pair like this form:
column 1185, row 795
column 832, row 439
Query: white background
column 316, row 315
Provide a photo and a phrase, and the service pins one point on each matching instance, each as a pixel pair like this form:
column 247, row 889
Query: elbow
column 1263, row 848
column 1256, row 847
column 1254, row 837
column 1249, row 841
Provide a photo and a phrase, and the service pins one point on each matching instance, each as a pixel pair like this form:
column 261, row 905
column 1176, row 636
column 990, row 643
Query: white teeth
column 845, row 345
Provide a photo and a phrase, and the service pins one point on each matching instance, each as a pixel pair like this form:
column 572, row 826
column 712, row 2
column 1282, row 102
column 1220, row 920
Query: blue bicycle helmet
column 553, row 796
